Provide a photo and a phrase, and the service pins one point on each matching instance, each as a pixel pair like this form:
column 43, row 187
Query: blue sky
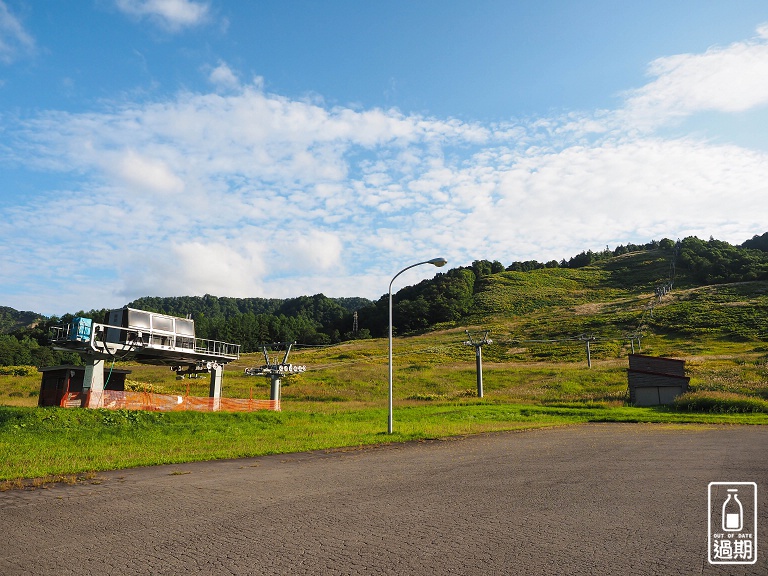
column 278, row 148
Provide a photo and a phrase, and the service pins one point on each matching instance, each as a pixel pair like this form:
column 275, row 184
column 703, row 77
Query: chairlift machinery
column 146, row 337
column 276, row 370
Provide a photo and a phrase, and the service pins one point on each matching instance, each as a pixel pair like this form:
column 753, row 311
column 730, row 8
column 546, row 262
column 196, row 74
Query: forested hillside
column 11, row 320
column 252, row 322
column 519, row 294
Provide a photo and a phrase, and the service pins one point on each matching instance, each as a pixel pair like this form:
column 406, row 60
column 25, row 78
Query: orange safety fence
column 119, row 400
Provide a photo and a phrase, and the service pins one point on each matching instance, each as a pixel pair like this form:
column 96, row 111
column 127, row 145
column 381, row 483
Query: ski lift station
column 145, row 337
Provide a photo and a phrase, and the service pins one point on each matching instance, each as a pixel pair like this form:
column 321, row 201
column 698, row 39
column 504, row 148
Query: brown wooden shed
column 63, row 385
column 654, row 381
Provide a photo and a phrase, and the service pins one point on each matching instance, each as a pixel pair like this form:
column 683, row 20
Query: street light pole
column 435, row 262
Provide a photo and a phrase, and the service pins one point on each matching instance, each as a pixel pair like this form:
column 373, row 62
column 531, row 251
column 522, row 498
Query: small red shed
column 63, row 385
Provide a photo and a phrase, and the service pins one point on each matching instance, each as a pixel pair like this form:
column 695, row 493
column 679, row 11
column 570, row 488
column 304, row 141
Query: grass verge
column 56, row 442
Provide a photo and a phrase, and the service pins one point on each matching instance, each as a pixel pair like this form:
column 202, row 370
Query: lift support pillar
column 217, row 372
column 93, row 383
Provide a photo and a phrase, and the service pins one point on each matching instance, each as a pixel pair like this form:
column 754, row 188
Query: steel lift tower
column 276, row 371
column 478, row 344
column 145, row 337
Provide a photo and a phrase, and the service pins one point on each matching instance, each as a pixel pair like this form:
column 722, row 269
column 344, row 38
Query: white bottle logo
column 732, row 525
column 733, row 512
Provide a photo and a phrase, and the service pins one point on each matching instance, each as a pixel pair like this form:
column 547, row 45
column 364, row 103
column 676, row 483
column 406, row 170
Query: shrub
column 720, row 402
column 135, row 386
column 18, row 371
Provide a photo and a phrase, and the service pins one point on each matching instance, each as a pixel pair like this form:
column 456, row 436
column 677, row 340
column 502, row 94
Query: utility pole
column 478, row 344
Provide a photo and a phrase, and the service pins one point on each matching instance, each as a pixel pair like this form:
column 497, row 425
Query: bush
column 720, row 402
column 18, row 371
column 135, row 386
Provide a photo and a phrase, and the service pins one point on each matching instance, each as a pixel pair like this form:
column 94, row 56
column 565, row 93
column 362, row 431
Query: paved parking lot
column 591, row 499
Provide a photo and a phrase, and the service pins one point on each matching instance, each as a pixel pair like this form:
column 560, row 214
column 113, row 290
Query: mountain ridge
column 654, row 287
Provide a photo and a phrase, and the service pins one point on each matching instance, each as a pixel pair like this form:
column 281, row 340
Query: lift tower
column 274, row 370
column 478, row 344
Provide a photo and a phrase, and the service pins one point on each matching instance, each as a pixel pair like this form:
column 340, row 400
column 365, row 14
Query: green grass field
column 36, row 443
column 341, row 401
column 534, row 374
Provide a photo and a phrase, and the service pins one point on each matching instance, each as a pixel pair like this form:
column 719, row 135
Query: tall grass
column 36, row 442
column 720, row 403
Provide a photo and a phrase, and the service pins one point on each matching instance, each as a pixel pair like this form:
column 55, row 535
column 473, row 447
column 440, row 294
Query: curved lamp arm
column 435, row 262
column 439, row 262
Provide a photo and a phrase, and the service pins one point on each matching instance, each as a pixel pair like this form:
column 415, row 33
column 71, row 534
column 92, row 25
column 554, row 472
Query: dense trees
column 314, row 320
column 715, row 261
column 757, row 242
column 252, row 322
column 21, row 349
column 445, row 298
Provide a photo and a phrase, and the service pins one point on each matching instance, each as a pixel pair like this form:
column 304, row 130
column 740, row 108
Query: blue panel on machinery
column 81, row 329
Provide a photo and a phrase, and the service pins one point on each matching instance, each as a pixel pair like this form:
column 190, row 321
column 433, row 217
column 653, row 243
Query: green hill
column 703, row 301
column 687, row 291
column 634, row 295
column 690, row 289
column 11, row 320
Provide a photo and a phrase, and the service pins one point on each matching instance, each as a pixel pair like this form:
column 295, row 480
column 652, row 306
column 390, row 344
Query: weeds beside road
column 37, row 443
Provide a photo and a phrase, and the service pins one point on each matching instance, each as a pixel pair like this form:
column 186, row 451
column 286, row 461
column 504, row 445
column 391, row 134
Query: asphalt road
column 593, row 499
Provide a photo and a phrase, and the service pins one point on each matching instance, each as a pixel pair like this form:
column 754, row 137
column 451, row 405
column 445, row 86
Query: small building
column 654, row 381
column 63, row 385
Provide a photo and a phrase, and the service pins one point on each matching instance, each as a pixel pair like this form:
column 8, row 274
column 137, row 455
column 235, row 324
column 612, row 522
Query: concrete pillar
column 217, row 372
column 274, row 391
column 93, row 383
column 479, row 363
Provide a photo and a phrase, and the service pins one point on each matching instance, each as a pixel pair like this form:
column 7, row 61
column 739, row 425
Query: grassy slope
column 719, row 330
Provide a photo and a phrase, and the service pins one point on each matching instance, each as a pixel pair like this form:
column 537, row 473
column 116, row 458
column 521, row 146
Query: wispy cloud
column 173, row 15
column 15, row 41
column 248, row 193
column 723, row 79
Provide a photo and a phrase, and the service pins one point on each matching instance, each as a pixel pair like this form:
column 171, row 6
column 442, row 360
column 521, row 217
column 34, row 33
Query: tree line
column 319, row 320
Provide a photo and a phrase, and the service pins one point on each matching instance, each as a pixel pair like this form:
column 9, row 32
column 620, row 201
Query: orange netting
column 118, row 400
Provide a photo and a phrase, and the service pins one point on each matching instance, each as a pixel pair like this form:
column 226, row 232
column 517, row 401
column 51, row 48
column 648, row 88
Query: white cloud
column 14, row 39
column 140, row 172
column 246, row 193
column 222, row 76
column 592, row 196
column 196, row 267
column 312, row 252
column 723, row 79
column 170, row 14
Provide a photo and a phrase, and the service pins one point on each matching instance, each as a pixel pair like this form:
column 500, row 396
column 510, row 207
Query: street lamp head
column 439, row 262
